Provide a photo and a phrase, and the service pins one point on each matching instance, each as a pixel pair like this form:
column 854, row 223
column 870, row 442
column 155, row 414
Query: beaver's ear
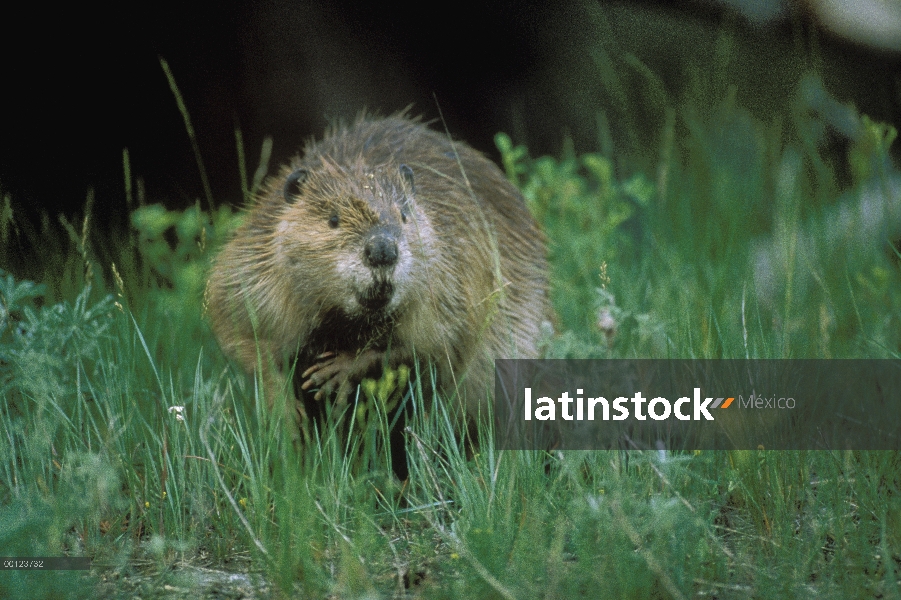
column 294, row 183
column 407, row 173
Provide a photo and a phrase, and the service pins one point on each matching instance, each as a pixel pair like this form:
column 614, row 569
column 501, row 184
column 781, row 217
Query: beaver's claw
column 339, row 372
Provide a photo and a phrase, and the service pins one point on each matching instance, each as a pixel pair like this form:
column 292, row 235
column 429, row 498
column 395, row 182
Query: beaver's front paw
column 339, row 372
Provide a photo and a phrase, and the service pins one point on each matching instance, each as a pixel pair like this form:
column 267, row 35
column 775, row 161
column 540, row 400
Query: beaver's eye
column 293, row 184
column 403, row 216
column 333, row 221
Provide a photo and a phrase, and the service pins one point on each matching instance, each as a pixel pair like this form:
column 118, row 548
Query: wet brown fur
column 470, row 282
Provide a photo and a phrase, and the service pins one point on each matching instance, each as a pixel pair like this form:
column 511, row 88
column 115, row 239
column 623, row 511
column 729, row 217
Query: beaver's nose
column 380, row 251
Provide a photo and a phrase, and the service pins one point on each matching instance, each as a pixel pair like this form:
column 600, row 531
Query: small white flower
column 178, row 410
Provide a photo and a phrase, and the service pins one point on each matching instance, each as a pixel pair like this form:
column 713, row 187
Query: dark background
column 80, row 84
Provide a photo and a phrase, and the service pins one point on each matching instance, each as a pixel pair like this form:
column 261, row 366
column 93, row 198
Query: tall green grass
column 129, row 438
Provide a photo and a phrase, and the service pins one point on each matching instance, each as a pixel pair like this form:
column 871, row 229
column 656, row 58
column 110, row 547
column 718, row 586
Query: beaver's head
column 352, row 236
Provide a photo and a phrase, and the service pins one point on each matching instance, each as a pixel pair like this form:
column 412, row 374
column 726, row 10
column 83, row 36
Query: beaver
column 386, row 243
